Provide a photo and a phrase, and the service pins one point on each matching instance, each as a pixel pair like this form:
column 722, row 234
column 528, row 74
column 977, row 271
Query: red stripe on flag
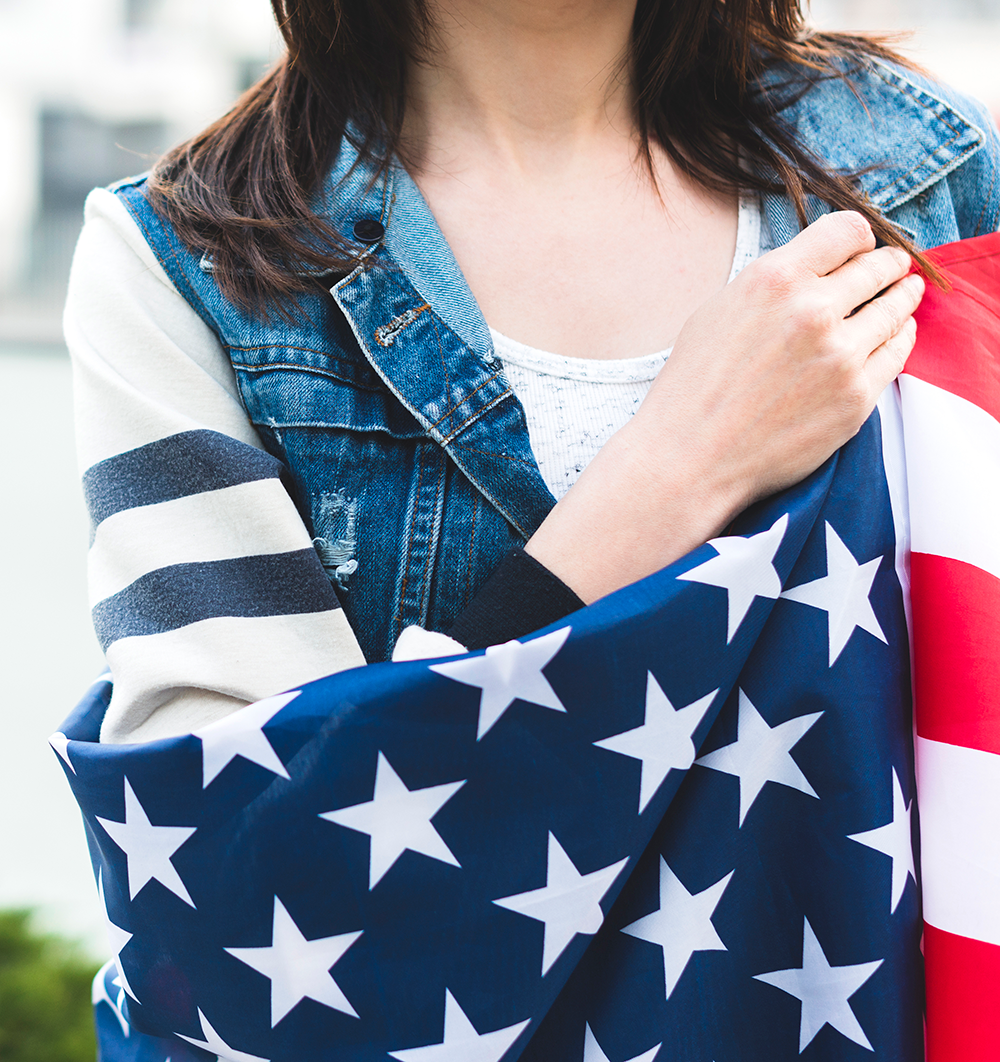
column 958, row 332
column 963, row 1012
column 956, row 654
column 956, row 650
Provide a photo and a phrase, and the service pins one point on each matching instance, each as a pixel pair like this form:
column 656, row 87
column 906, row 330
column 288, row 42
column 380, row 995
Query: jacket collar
column 422, row 331
column 898, row 130
column 413, row 242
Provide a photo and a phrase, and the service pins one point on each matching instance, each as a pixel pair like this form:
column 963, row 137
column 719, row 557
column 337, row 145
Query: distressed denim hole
column 336, row 515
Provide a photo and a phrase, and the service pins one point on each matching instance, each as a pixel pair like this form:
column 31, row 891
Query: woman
column 387, row 346
column 587, row 171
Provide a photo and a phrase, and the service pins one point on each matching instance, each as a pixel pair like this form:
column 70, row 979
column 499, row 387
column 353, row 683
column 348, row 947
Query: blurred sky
column 92, row 90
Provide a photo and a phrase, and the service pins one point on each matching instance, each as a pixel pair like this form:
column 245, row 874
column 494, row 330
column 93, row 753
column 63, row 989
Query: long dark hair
column 240, row 190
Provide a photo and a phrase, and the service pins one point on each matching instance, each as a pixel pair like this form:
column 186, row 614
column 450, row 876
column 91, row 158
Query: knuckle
column 894, row 361
column 903, row 261
column 842, row 352
column 903, row 342
column 773, row 276
column 876, row 268
column 816, row 315
column 891, row 314
column 856, row 226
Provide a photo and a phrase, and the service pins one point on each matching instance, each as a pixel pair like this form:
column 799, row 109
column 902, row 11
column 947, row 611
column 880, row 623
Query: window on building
column 78, row 153
column 140, row 13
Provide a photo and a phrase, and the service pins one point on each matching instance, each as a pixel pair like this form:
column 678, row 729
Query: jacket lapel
column 422, row 331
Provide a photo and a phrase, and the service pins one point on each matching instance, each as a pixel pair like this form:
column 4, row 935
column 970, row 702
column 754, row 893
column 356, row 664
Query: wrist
column 631, row 513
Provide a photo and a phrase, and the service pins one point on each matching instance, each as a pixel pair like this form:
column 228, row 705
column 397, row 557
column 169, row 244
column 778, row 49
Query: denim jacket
column 406, row 451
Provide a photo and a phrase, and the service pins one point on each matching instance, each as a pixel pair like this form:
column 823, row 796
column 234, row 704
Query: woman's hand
column 766, row 380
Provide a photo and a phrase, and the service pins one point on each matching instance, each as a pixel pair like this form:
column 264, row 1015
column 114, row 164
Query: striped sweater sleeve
column 206, row 592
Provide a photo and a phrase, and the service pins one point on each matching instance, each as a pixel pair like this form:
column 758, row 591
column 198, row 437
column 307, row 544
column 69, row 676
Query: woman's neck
column 532, row 86
column 520, row 135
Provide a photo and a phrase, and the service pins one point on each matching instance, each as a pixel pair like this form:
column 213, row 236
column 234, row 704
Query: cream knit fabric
column 574, row 405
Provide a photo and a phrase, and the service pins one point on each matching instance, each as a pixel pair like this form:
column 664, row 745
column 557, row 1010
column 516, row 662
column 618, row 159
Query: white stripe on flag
column 953, row 464
column 960, row 838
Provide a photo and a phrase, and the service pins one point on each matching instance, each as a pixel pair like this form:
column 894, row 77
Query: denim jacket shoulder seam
column 154, row 245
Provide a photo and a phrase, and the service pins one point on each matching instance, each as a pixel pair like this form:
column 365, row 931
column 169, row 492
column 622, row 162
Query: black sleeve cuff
column 521, row 596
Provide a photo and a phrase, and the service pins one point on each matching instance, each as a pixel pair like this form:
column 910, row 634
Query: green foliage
column 45, row 1011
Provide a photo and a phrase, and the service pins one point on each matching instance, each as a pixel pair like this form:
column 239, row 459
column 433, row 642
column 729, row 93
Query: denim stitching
column 284, row 346
column 491, row 453
column 409, row 542
column 285, row 366
column 446, row 440
column 424, row 603
column 472, row 416
column 386, row 335
column 903, row 87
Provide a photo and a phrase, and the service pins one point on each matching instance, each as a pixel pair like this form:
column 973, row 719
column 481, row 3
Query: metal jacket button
column 368, row 230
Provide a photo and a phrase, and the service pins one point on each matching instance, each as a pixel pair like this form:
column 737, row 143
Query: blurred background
column 90, row 91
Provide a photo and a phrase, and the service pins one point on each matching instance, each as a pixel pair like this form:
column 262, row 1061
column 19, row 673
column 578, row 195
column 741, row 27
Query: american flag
column 951, row 405
column 678, row 825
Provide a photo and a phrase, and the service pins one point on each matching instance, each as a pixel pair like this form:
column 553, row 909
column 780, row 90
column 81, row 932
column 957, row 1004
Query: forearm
column 621, row 521
column 630, row 514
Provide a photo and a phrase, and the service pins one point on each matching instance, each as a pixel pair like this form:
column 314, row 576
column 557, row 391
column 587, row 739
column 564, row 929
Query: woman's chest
column 609, row 269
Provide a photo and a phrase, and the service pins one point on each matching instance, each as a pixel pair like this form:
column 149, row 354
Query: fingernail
column 915, row 282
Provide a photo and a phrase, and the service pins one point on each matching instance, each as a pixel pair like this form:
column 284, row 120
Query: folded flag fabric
column 678, row 825
column 951, row 415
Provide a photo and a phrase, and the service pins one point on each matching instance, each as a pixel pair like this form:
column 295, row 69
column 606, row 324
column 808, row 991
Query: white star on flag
column 663, row 742
column 744, row 568
column 397, row 819
column 843, row 594
column 214, row 1044
column 242, row 734
column 117, row 937
column 761, row 754
column 99, row 994
column 568, row 904
column 824, row 991
column 148, row 848
column 507, row 673
column 592, row 1051
column 895, row 840
column 60, row 743
column 461, row 1042
column 682, row 924
column 298, row 968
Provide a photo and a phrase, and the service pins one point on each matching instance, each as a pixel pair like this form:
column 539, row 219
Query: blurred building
column 93, row 90
column 957, row 40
